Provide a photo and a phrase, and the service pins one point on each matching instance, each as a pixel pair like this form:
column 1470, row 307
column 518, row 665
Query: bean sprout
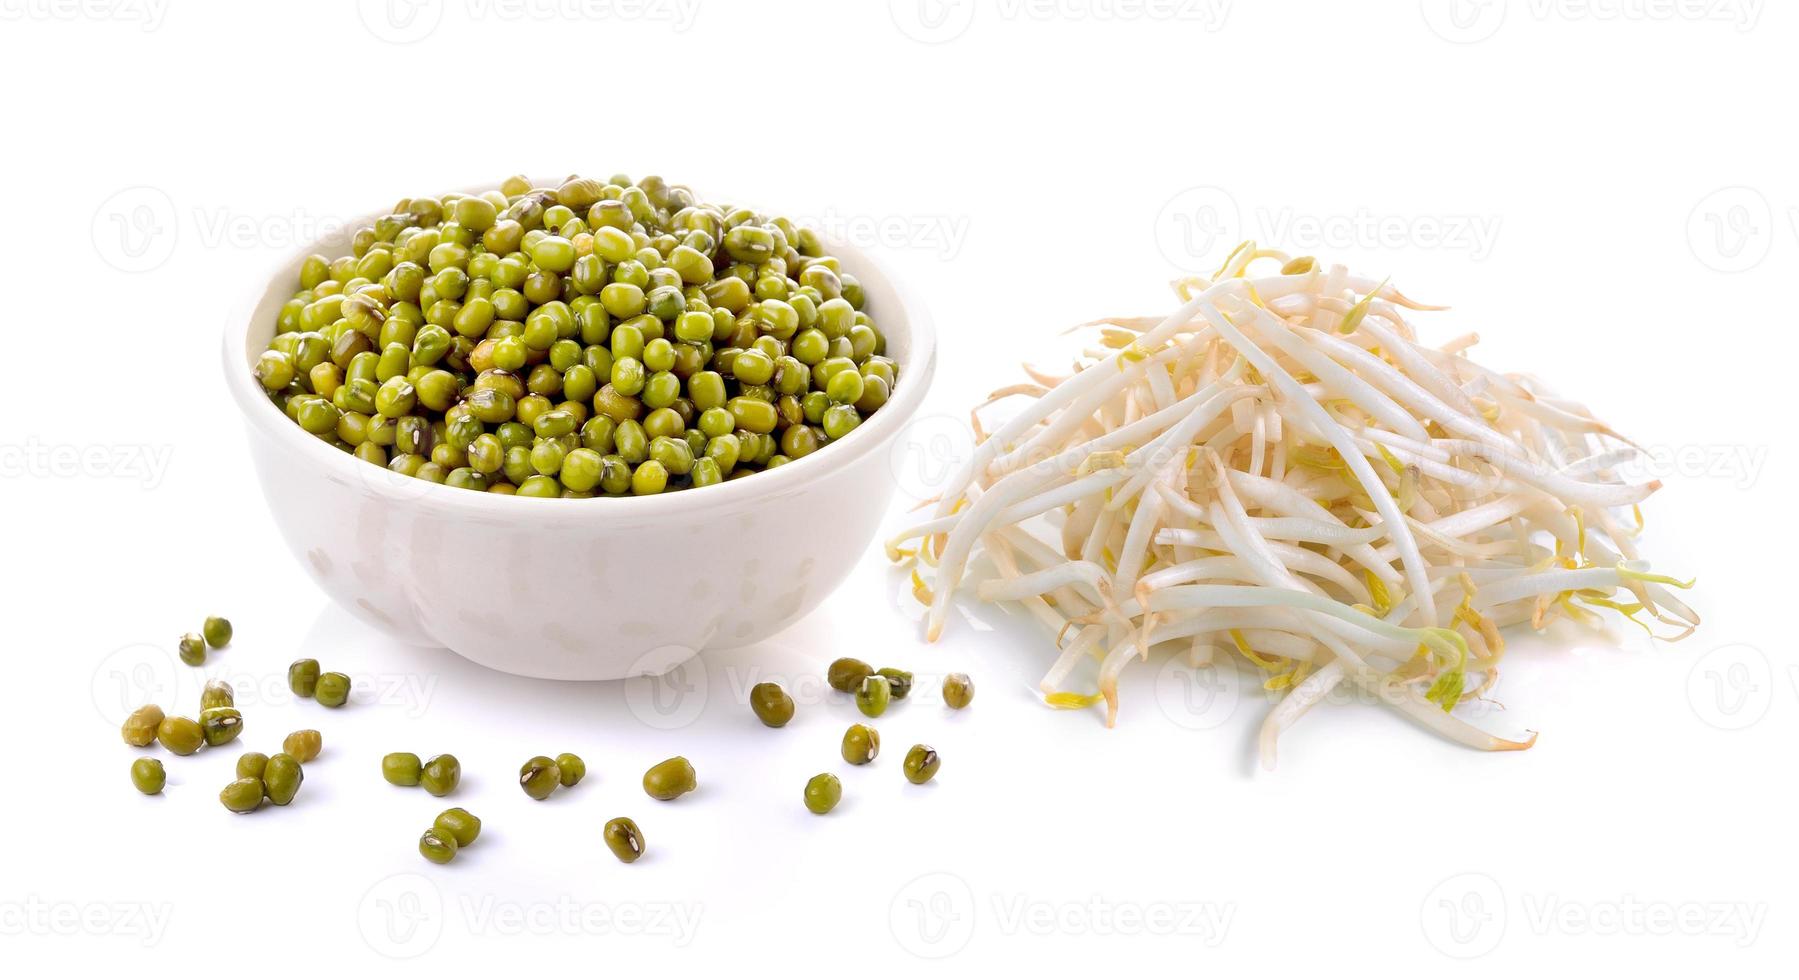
column 1280, row 470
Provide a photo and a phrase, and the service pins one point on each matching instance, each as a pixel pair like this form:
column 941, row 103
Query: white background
column 1606, row 192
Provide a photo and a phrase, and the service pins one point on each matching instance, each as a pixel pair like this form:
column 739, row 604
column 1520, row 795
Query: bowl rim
column 271, row 424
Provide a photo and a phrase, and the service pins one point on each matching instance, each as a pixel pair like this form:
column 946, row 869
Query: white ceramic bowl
column 578, row 589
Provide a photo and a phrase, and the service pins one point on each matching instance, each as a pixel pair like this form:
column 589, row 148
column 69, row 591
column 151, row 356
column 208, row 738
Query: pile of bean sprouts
column 1279, row 471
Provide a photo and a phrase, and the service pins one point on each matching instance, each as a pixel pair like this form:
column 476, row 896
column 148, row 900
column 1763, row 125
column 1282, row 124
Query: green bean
column 303, row 677
column 921, row 764
column 441, row 775
column 182, row 736
column 571, row 767
column 873, row 695
column 823, row 791
column 623, row 839
column 670, row 778
column 846, row 673
column 437, row 846
column 242, row 795
column 332, row 689
column 217, row 694
column 216, row 631
column 465, row 333
column 281, row 778
column 461, row 825
column 221, row 725
column 773, row 706
column 860, row 745
column 539, row 776
column 192, row 649
column 140, row 726
column 148, row 776
column 303, row 745
column 402, row 768
column 958, row 690
column 251, row 764
column 899, row 682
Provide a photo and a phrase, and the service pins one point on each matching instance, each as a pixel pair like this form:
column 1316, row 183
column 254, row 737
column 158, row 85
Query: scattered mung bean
column 192, row 648
column 216, row 631
column 845, row 674
column 460, row 824
column 438, row 846
column 958, row 690
column 332, row 690
column 771, row 704
column 402, row 768
column 303, row 677
column 140, row 726
column 571, row 767
column 441, row 775
column 899, row 682
column 148, row 776
column 304, row 744
column 670, row 778
column 873, row 695
column 242, row 795
column 221, row 725
column 623, row 839
column 217, row 694
column 182, row 736
column 860, row 745
column 538, row 777
column 281, row 778
column 823, row 791
column 921, row 764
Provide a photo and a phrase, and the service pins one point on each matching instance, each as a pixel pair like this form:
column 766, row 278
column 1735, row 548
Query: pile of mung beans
column 258, row 778
column 873, row 691
column 595, row 338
